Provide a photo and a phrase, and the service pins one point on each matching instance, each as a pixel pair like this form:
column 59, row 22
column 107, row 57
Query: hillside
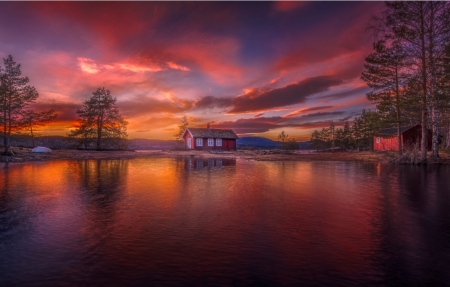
column 257, row 142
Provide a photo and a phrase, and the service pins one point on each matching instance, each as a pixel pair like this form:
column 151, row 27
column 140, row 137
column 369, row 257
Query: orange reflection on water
column 52, row 177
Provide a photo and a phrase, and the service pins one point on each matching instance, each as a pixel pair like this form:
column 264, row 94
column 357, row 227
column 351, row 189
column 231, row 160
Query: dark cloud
column 319, row 124
column 212, row 102
column 316, row 108
column 299, row 112
column 357, row 91
column 253, row 125
column 257, row 100
column 65, row 111
column 289, row 95
column 346, row 118
column 321, row 114
column 264, row 124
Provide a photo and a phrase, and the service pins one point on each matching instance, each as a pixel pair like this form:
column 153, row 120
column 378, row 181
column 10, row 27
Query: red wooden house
column 387, row 139
column 208, row 139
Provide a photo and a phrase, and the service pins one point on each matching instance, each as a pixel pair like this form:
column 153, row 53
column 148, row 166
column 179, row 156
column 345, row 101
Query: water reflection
column 198, row 164
column 223, row 222
column 102, row 181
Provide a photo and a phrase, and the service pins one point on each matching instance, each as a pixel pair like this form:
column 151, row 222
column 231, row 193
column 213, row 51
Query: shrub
column 410, row 156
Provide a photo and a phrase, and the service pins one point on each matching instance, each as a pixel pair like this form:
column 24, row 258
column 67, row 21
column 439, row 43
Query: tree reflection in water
column 198, row 164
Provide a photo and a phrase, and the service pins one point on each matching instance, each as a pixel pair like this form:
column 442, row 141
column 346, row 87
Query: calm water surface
column 179, row 222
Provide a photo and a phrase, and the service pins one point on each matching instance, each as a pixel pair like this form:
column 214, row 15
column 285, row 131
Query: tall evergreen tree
column 15, row 95
column 385, row 72
column 422, row 28
column 444, row 87
column 316, row 140
column 347, row 135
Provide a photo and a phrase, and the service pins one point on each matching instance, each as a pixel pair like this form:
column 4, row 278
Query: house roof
column 393, row 131
column 212, row 133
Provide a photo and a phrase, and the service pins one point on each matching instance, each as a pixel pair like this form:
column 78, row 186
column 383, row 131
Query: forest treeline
column 357, row 135
column 408, row 73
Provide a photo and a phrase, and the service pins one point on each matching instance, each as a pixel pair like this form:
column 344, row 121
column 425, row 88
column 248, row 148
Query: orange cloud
column 174, row 66
column 88, row 66
column 91, row 67
column 307, row 110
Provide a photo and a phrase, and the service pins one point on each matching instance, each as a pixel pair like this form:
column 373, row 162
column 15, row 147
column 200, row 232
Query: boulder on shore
column 41, row 149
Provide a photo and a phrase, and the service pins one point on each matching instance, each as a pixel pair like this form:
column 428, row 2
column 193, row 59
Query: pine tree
column 181, row 128
column 316, row 140
column 100, row 116
column 347, row 135
column 15, row 95
column 283, row 137
column 423, row 30
column 385, row 74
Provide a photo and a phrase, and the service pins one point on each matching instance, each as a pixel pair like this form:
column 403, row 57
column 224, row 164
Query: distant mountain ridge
column 254, row 141
column 264, row 143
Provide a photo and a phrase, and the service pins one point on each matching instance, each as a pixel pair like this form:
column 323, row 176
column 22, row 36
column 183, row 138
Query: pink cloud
column 91, row 67
column 306, row 110
column 174, row 66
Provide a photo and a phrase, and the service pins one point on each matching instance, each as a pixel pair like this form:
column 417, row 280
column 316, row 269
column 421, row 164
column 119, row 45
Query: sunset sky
column 257, row 68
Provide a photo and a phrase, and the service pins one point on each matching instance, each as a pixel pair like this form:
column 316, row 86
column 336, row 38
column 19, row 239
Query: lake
column 179, row 222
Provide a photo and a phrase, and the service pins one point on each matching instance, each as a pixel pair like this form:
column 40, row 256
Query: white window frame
column 199, row 142
column 189, row 142
column 210, row 142
column 218, row 142
column 378, row 140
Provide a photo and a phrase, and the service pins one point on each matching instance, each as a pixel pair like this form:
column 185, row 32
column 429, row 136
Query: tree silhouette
column 15, row 95
column 385, row 72
column 100, row 116
column 32, row 119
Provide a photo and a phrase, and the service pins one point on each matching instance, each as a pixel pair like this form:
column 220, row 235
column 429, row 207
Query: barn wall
column 227, row 144
column 230, row 144
column 409, row 138
column 414, row 136
column 390, row 143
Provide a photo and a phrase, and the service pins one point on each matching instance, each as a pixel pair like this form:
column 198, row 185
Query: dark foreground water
column 158, row 222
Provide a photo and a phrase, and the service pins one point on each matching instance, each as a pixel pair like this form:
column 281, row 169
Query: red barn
column 387, row 139
column 207, row 139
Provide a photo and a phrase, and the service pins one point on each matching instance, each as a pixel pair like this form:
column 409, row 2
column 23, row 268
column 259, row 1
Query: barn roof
column 212, row 133
column 393, row 131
